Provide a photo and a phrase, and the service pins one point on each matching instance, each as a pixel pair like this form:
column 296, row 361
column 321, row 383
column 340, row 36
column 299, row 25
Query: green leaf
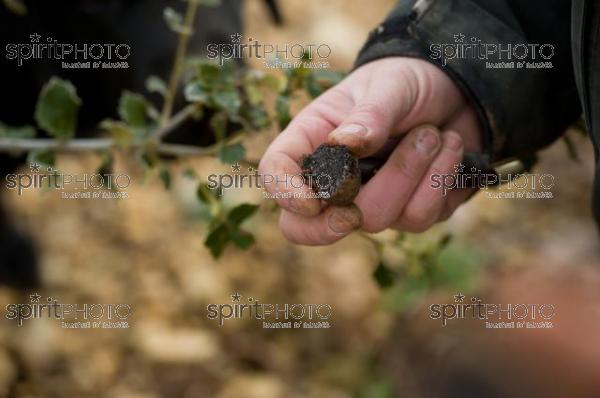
column 173, row 19
column 119, row 131
column 17, row 132
column 255, row 96
column 190, row 173
column 239, row 214
column 241, row 239
column 135, row 110
column 155, row 84
column 256, row 116
column 217, row 240
column 384, row 276
column 165, row 177
column 57, row 107
column 228, row 100
column 205, row 194
column 232, row 153
column 195, row 92
column 282, row 107
column 106, row 164
column 46, row 158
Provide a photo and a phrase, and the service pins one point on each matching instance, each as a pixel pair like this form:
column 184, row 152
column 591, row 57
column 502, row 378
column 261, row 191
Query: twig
column 182, row 45
column 93, row 144
column 174, row 122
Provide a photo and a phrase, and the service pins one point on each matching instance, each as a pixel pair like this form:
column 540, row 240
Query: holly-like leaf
column 256, row 116
column 135, row 110
column 16, row 132
column 232, row 153
column 241, row 239
column 195, row 92
column 228, row 100
column 119, row 131
column 173, row 19
column 217, row 240
column 57, row 107
column 155, row 84
column 46, row 158
column 384, row 276
column 239, row 214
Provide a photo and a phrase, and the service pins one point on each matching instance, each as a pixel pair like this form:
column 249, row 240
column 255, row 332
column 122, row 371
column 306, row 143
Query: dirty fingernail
column 428, row 141
column 304, row 207
column 343, row 220
column 453, row 141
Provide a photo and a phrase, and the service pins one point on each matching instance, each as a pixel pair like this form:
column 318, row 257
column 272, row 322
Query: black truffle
column 333, row 173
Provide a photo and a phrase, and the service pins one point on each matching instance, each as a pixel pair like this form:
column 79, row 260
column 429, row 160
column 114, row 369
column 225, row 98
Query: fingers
column 282, row 178
column 279, row 168
column 331, row 225
column 429, row 205
column 384, row 197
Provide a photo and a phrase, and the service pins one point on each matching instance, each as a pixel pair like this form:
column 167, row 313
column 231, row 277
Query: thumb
column 391, row 97
column 366, row 129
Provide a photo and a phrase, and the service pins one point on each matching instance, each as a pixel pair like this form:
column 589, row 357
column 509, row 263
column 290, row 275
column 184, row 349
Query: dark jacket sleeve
column 521, row 109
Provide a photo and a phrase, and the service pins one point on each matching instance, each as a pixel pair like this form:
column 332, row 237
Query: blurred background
column 147, row 251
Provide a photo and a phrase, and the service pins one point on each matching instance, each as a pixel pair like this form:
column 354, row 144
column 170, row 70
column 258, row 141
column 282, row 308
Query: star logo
column 459, row 298
column 35, row 298
column 236, row 37
column 35, row 167
column 236, row 297
column 458, row 168
column 236, row 168
column 35, row 38
column 459, row 38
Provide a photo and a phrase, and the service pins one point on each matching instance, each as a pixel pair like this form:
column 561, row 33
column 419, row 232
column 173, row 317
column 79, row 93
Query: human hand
column 382, row 100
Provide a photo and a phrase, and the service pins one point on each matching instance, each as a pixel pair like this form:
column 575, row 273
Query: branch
column 182, row 45
column 93, row 144
column 174, row 122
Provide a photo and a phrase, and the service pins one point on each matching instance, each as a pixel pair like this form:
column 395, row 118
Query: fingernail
column 453, row 141
column 428, row 141
column 352, row 129
column 304, row 207
column 353, row 135
column 343, row 220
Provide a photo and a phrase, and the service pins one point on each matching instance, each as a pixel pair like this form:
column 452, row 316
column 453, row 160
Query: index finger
column 279, row 168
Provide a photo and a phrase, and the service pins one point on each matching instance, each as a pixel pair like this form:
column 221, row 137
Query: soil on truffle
column 333, row 173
